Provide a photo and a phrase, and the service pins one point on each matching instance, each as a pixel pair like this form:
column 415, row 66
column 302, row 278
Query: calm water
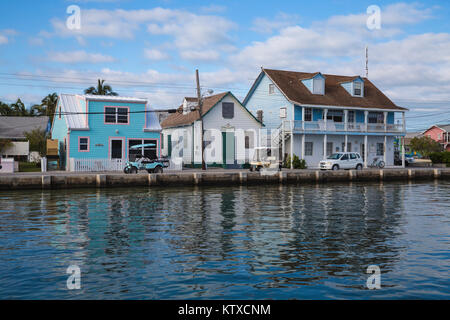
column 292, row 242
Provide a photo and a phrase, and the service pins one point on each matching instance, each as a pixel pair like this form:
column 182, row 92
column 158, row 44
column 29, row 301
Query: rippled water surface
column 290, row 242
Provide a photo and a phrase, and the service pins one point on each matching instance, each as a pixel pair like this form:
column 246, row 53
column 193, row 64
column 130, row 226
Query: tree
column 48, row 105
column 102, row 89
column 38, row 141
column 19, row 108
column 425, row 145
column 4, row 144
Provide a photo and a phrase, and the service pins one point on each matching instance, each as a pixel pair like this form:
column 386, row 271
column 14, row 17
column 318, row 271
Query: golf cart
column 145, row 163
column 265, row 158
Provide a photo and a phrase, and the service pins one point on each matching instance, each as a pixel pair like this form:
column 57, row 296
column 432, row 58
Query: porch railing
column 99, row 165
column 331, row 126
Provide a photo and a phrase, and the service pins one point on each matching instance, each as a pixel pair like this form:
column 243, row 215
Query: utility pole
column 200, row 110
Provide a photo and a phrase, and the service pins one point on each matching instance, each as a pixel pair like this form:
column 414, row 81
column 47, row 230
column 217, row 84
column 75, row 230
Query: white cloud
column 73, row 57
column 6, row 34
column 155, row 54
column 281, row 20
column 200, row 55
column 213, row 8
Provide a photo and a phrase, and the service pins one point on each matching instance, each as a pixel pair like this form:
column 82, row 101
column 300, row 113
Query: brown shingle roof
column 180, row 119
column 289, row 82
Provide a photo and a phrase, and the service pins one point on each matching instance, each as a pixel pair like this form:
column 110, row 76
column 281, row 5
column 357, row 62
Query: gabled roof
column 15, row 127
column 290, row 84
column 179, row 119
column 444, row 127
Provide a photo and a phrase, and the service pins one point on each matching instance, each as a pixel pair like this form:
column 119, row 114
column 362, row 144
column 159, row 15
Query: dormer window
column 357, row 89
column 318, row 85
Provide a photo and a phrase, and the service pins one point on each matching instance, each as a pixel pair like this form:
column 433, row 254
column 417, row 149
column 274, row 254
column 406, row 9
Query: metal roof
column 16, row 127
column 114, row 98
column 73, row 111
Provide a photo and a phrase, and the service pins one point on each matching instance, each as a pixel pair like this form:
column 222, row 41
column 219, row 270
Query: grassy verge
column 29, row 167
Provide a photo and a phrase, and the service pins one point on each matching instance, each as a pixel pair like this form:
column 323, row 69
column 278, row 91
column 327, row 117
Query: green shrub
column 297, row 163
column 440, row 157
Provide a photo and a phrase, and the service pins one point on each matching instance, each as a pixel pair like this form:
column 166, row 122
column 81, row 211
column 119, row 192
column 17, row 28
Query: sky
column 151, row 49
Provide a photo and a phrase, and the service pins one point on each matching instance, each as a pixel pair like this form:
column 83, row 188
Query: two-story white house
column 230, row 132
column 320, row 114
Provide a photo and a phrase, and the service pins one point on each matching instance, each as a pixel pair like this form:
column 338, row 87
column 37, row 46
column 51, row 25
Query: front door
column 116, row 149
column 228, row 148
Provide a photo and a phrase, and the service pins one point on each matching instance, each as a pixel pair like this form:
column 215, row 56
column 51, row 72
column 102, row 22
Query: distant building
column 95, row 133
column 14, row 129
column 320, row 114
column 440, row 133
column 408, row 137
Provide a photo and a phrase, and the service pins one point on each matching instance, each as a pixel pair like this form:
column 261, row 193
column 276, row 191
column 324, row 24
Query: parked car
column 398, row 159
column 342, row 160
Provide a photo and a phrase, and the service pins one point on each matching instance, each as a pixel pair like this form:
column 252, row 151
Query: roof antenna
column 367, row 62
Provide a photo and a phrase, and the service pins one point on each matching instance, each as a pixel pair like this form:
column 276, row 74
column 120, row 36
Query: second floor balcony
column 332, row 126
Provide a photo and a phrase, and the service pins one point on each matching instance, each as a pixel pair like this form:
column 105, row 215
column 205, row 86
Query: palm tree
column 48, row 106
column 101, row 90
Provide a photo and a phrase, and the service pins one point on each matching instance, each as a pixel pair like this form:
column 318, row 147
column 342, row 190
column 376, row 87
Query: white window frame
column 361, row 88
column 309, row 143
column 271, row 88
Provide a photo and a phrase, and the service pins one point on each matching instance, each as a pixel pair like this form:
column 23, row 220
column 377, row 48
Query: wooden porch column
column 303, row 146
column 384, row 150
column 346, row 144
column 324, row 147
column 385, row 121
column 365, row 151
column 346, row 121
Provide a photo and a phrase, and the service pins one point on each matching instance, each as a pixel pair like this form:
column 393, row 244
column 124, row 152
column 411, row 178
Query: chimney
column 259, row 115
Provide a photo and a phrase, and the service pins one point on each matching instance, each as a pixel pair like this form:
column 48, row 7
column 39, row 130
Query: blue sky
column 152, row 48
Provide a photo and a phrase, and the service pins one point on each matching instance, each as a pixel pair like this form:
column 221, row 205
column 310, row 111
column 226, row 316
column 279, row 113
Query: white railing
column 331, row 126
column 98, row 165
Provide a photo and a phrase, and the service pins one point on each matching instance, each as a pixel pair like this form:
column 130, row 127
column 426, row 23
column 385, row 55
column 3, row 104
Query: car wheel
column 126, row 170
column 381, row 164
column 335, row 167
column 133, row 170
column 158, row 170
column 359, row 167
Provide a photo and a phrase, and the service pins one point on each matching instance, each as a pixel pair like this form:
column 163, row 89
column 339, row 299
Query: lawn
column 29, row 167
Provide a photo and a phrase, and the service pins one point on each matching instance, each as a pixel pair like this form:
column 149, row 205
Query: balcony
column 331, row 126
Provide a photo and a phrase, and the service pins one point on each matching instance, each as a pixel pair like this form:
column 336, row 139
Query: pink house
column 441, row 134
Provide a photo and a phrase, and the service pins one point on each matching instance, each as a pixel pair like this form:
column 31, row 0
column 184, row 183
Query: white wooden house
column 230, row 132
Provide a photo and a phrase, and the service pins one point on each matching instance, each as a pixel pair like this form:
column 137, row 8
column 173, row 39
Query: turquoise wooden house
column 95, row 133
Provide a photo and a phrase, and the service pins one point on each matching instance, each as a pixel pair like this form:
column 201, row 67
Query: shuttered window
column 228, row 110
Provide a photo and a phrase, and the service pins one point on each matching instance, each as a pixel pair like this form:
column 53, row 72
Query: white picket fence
column 97, row 165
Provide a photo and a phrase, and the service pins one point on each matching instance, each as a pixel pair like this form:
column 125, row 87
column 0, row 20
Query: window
column 351, row 116
column 352, row 156
column 344, row 157
column 271, row 88
column 308, row 148
column 249, row 138
column 380, row 149
column 116, row 115
column 283, row 112
column 335, row 115
column 329, row 148
column 162, row 140
column 247, row 142
column 376, row 117
column 149, row 151
column 308, row 114
column 357, row 89
column 349, row 147
column 318, row 86
column 83, row 144
column 227, row 110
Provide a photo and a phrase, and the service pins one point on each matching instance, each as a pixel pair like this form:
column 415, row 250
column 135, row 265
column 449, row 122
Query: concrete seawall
column 20, row 182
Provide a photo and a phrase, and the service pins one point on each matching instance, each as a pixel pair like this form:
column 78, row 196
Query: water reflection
column 258, row 242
